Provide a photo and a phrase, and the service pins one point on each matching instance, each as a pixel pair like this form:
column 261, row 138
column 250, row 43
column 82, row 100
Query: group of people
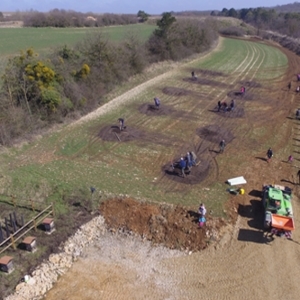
column 187, row 162
column 223, row 106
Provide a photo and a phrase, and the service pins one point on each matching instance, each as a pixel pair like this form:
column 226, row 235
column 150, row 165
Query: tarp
column 237, row 180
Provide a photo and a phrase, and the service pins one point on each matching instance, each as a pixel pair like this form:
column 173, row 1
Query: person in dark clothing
column 194, row 157
column 121, row 123
column 298, row 114
column 188, row 160
column 156, row 102
column 182, row 164
column 269, row 154
column 219, row 105
column 232, row 104
column 298, row 174
column 289, row 85
column 222, row 146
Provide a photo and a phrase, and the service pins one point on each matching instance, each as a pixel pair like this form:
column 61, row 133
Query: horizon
column 155, row 7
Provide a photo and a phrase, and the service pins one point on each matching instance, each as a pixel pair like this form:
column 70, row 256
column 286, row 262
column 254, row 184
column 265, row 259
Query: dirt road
column 243, row 265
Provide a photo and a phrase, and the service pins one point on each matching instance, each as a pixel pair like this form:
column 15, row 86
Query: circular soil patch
column 246, row 96
column 215, row 134
column 173, row 226
column 113, row 133
column 195, row 175
column 150, row 110
column 238, row 112
column 173, row 91
column 204, row 81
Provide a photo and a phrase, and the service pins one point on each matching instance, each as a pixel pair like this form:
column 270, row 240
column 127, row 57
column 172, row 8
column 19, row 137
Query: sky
column 133, row 6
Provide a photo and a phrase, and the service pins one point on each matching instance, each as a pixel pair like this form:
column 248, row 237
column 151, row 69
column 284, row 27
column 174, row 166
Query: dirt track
column 243, row 265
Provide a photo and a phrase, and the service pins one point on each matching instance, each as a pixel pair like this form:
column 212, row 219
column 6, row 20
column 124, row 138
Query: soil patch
column 215, row 134
column 205, row 81
column 238, row 112
column 113, row 133
column 194, row 175
column 173, row 91
column 175, row 227
column 206, row 72
column 151, row 110
column 237, row 94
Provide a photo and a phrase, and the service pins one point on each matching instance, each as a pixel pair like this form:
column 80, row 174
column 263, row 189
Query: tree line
column 71, row 81
column 287, row 23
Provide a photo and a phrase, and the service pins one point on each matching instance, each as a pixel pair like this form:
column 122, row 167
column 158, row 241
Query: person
column 298, row 89
column 157, row 102
column 232, row 104
column 289, row 85
column 188, row 160
column 219, row 105
column 290, row 159
column 243, row 90
column 121, row 123
column 202, row 210
column 222, row 146
column 202, row 221
column 298, row 77
column 194, row 76
column 269, row 154
column 182, row 164
column 298, row 114
column 298, row 174
column 193, row 157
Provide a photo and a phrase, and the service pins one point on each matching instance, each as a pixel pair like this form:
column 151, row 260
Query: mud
column 151, row 110
column 113, row 133
column 173, row 91
column 175, row 227
column 206, row 72
column 205, row 81
column 215, row 133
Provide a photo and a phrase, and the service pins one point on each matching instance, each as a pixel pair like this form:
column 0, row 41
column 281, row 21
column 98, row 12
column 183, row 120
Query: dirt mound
column 151, row 110
column 195, row 175
column 237, row 94
column 204, row 81
column 173, row 91
column 113, row 133
column 238, row 112
column 173, row 226
column 215, row 134
column 206, row 72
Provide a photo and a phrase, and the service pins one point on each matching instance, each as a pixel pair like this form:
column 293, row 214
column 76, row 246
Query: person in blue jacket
column 157, row 102
column 182, row 164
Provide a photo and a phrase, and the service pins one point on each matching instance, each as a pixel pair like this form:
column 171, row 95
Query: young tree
column 143, row 17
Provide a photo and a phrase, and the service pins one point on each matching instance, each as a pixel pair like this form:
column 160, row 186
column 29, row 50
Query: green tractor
column 277, row 202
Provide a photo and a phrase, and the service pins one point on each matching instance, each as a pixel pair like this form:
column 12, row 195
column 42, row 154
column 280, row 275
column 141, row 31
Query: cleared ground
column 245, row 263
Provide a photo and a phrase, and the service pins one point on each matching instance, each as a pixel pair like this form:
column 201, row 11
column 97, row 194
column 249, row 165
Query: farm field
column 92, row 152
column 13, row 40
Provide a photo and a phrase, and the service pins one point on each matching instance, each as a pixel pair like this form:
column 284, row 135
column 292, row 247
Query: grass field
column 75, row 158
column 13, row 40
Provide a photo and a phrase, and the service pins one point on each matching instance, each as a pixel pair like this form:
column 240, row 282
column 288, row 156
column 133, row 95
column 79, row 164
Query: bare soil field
column 237, row 260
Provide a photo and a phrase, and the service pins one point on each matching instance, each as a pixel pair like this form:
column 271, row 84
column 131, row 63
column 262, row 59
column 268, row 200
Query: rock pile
column 48, row 272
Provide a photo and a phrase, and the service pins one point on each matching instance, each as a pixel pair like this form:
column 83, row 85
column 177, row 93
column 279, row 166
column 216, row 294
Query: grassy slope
column 73, row 159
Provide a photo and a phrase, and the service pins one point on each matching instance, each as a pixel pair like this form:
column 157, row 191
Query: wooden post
column 53, row 212
column 13, row 242
column 34, row 222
